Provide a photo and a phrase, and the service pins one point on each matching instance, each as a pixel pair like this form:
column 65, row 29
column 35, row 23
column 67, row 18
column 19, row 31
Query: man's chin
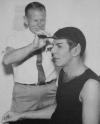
column 57, row 64
column 36, row 30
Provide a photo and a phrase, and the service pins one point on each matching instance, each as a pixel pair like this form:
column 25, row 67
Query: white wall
column 84, row 14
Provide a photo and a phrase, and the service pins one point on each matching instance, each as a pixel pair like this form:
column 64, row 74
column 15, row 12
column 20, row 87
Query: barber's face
column 61, row 52
column 36, row 20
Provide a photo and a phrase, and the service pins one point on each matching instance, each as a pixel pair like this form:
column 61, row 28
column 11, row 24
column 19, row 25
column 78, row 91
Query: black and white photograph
column 49, row 61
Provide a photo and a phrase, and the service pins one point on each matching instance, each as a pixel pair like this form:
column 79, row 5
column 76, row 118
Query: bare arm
column 13, row 56
column 16, row 55
column 91, row 102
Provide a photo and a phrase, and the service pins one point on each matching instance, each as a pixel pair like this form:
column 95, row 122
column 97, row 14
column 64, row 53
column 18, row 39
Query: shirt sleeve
column 11, row 41
column 16, row 40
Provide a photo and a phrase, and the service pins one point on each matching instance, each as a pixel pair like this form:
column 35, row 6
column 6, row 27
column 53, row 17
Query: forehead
column 60, row 41
column 36, row 12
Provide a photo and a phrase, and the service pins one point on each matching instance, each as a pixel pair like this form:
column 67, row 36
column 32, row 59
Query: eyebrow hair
column 59, row 43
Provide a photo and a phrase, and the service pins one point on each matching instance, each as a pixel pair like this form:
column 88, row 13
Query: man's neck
column 75, row 68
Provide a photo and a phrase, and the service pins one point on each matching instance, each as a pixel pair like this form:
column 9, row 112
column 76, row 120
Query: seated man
column 78, row 93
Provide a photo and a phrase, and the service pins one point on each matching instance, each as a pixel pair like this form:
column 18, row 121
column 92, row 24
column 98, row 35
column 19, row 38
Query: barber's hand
column 38, row 43
column 43, row 32
column 10, row 116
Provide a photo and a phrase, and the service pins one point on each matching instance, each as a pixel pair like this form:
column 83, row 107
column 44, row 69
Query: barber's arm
column 91, row 102
column 13, row 56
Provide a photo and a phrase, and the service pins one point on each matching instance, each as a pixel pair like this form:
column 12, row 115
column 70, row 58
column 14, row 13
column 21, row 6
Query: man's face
column 36, row 20
column 61, row 52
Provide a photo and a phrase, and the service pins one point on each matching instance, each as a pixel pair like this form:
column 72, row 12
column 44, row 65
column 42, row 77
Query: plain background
column 84, row 14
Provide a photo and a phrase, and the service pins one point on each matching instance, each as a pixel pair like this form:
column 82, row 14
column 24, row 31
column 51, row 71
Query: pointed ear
column 76, row 50
column 25, row 21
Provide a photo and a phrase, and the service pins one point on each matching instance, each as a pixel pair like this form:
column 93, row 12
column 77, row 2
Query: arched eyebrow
column 59, row 43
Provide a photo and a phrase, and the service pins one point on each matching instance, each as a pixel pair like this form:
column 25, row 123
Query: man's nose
column 39, row 23
column 52, row 50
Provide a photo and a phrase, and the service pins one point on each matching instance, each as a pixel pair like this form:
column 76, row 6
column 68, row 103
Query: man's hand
column 8, row 49
column 39, row 42
column 10, row 116
column 42, row 32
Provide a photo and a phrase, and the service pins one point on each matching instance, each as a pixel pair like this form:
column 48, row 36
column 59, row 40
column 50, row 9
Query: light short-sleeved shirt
column 26, row 72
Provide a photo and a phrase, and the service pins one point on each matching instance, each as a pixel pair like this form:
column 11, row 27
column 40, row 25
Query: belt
column 49, row 82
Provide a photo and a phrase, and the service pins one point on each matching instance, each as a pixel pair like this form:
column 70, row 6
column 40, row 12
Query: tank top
column 69, row 108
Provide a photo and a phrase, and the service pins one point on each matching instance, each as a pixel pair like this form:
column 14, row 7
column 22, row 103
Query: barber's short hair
column 34, row 6
column 74, row 36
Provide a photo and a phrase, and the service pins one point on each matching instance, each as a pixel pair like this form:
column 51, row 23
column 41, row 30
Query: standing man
column 34, row 88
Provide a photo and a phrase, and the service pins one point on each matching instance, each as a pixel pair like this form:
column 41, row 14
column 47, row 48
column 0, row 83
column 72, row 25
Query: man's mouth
column 55, row 59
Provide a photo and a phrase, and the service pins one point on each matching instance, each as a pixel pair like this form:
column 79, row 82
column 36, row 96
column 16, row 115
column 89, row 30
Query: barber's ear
column 76, row 50
column 25, row 21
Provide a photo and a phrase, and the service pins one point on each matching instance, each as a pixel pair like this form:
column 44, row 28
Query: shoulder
column 91, row 83
column 18, row 34
column 15, row 35
column 90, row 90
column 18, row 39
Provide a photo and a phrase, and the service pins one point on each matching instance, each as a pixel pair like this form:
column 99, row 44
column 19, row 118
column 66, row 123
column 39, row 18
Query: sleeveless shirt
column 69, row 108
